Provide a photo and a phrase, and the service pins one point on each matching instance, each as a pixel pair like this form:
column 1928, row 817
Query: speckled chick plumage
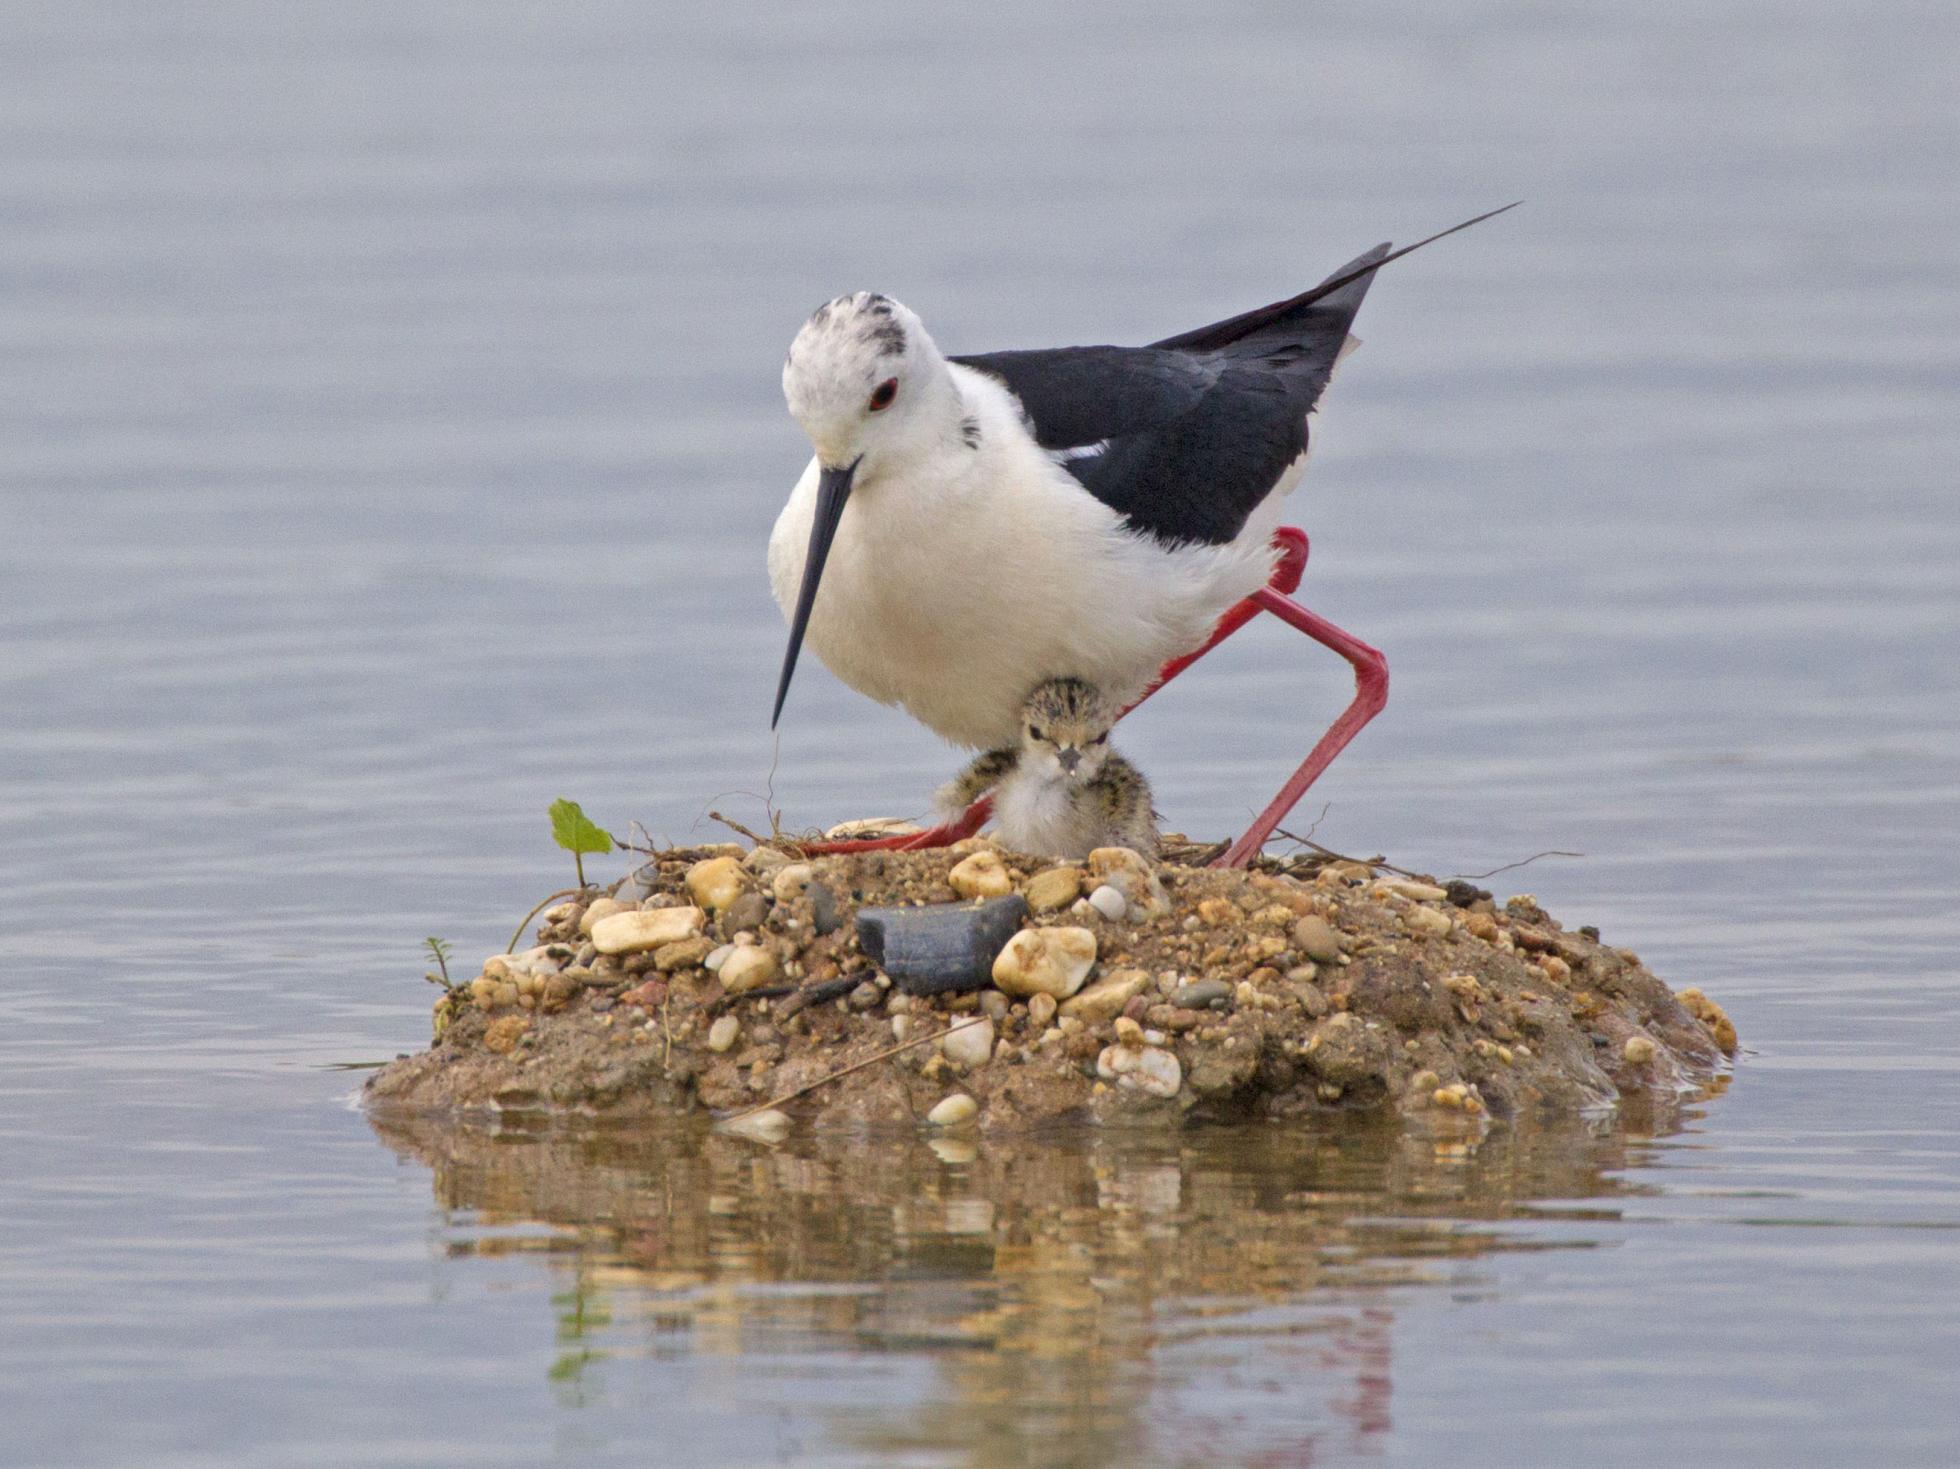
column 1062, row 792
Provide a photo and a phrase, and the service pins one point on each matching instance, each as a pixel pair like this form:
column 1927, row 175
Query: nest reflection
column 1086, row 1297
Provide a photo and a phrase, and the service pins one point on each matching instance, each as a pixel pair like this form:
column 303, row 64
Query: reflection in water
column 1086, row 1298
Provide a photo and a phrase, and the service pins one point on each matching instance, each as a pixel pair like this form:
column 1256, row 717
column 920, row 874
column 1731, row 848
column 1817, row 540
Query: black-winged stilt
column 980, row 524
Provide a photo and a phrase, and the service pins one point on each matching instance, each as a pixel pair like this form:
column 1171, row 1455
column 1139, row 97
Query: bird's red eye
column 882, row 395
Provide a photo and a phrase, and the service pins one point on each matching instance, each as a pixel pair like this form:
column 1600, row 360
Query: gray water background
column 391, row 429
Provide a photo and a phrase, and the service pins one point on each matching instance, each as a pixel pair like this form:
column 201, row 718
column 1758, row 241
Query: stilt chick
column 1064, row 791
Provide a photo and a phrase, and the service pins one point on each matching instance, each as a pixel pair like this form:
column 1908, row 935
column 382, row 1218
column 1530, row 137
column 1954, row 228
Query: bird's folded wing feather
column 1186, row 437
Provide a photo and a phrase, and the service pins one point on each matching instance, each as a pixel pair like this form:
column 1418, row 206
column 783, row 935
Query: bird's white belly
column 955, row 606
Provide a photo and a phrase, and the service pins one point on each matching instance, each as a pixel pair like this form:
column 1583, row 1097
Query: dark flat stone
column 947, row 948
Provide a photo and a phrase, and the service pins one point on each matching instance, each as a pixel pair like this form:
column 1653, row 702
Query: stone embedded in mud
column 1315, row 937
column 682, row 954
column 1046, row 961
column 641, row 932
column 1104, row 999
column 1429, row 922
column 716, row 883
column 723, row 1034
column 942, row 949
column 952, row 1110
column 1147, row 1068
column 1041, row 1010
column 789, row 882
column 981, row 875
column 1053, row 890
column 970, row 1043
column 1200, row 993
column 503, row 1035
column 748, row 968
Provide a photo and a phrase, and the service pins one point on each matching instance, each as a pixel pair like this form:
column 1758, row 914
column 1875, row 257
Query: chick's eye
column 1101, row 739
column 882, row 395
column 1035, row 733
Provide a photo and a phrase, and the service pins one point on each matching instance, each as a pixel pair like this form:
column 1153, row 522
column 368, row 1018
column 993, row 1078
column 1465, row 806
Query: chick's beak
column 1070, row 757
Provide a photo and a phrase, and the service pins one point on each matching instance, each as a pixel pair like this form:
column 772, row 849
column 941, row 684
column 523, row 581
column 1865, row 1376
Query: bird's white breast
column 956, row 584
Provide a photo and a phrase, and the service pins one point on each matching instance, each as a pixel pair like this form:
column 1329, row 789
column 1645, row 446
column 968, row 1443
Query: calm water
column 390, row 422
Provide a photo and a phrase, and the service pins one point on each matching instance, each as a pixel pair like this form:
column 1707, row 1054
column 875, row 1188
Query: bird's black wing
column 1186, row 437
column 1076, row 396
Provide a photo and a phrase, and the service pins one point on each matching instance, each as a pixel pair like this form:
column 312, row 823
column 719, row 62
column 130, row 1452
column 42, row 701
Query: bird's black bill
column 833, row 489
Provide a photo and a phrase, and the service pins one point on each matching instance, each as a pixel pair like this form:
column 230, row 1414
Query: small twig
column 804, row 1091
column 511, row 947
column 817, row 994
column 1335, row 856
column 765, row 992
column 1509, row 866
column 738, row 828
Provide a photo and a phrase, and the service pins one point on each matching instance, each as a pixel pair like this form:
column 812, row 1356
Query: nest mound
column 740, row 980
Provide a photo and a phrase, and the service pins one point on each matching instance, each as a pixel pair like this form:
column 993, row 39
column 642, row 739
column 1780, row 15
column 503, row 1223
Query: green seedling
column 574, row 831
column 439, row 951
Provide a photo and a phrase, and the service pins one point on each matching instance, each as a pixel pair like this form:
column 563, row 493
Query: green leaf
column 574, row 831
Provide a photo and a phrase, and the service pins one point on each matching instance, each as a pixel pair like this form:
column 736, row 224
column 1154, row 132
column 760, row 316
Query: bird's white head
column 867, row 384
column 878, row 401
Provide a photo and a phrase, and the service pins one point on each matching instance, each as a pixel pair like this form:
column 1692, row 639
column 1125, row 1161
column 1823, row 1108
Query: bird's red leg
column 1370, row 694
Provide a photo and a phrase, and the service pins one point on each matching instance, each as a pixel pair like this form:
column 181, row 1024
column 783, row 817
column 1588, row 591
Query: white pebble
column 718, row 957
column 1108, row 902
column 970, row 1044
column 722, row 1034
column 952, row 1110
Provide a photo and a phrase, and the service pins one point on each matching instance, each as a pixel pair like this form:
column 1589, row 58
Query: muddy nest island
column 975, row 985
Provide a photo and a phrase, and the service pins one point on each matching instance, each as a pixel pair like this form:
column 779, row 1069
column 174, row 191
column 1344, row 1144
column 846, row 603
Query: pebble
column 597, row 909
column 1103, row 999
column 1639, row 1050
column 636, row 932
column 1053, row 890
column 942, row 949
column 1315, row 937
column 1041, row 1010
column 684, row 954
column 770, row 1127
column 1051, row 961
column 1217, row 912
column 716, row 958
column 1200, row 993
column 723, row 1034
column 1146, row 1068
column 716, row 883
column 1107, row 901
column 971, row 1044
column 981, row 875
column 748, row 968
column 865, row 997
column 825, row 916
column 789, row 882
column 1430, row 922
column 995, row 1004
column 952, row 1110
column 1131, row 875
column 901, row 1028
column 1407, row 887
column 748, row 912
